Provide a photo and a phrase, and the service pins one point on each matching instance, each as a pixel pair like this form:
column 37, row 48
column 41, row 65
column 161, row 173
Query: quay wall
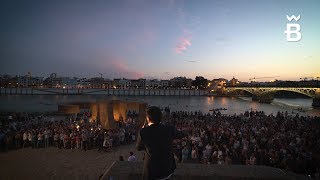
column 109, row 92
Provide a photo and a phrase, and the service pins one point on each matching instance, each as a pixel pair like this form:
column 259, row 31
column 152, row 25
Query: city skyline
column 159, row 39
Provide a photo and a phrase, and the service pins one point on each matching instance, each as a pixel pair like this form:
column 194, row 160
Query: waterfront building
column 3, row 81
column 12, row 82
column 122, row 83
column 107, row 83
column 164, row 83
column 152, row 83
column 23, row 81
column 180, row 82
column 233, row 82
column 96, row 82
column 218, row 84
column 138, row 83
column 83, row 83
column 142, row 83
column 68, row 83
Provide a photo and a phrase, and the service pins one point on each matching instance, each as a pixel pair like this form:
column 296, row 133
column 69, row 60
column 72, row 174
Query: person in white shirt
column 132, row 157
column 46, row 138
column 29, row 136
column 25, row 139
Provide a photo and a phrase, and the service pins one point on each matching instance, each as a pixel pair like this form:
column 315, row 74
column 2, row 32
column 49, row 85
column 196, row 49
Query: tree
column 200, row 82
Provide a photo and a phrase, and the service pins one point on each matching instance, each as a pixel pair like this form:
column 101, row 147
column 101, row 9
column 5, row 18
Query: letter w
column 293, row 17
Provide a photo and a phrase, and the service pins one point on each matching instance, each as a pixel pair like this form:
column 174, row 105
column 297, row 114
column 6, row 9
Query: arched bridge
column 266, row 94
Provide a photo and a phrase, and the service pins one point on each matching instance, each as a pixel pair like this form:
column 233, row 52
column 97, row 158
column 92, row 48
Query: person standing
column 25, row 139
column 56, row 139
column 84, row 139
column 156, row 140
column 40, row 139
column 46, row 138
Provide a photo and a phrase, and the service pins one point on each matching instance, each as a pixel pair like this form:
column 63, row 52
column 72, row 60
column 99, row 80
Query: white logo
column 293, row 28
column 293, row 17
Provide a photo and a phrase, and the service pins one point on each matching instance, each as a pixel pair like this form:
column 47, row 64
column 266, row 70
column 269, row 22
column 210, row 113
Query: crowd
column 285, row 141
column 42, row 132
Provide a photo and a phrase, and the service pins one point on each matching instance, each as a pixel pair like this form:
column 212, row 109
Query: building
column 107, row 83
column 23, row 81
column 180, row 82
column 233, row 82
column 152, row 84
column 12, row 82
column 217, row 84
column 83, row 83
column 96, row 82
column 68, row 83
column 122, row 83
column 138, row 83
column 142, row 83
column 4, row 80
column 164, row 84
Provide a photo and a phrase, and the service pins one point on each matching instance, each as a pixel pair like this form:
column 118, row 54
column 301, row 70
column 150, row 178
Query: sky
column 159, row 39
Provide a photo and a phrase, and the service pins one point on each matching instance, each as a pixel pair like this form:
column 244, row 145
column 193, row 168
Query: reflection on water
column 210, row 100
column 224, row 102
column 192, row 103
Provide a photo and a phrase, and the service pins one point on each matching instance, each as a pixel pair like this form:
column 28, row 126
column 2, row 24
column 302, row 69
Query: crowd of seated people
column 43, row 132
column 283, row 141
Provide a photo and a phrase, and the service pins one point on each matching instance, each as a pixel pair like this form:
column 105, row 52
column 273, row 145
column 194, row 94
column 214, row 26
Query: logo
column 293, row 29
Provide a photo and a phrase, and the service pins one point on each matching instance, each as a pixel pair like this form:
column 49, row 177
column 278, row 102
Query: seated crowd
column 288, row 142
column 42, row 132
column 283, row 141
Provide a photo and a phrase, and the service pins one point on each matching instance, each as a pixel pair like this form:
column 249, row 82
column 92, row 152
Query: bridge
column 266, row 94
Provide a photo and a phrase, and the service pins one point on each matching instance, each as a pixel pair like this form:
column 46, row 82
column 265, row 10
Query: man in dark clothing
column 156, row 139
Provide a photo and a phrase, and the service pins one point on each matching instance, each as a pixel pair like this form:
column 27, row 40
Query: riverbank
column 56, row 163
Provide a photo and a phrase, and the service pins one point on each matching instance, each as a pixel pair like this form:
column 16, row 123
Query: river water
column 40, row 103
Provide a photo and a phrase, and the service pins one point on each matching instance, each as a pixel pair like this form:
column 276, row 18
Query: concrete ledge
column 133, row 170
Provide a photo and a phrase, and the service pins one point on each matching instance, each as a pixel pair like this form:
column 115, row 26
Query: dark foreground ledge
column 121, row 170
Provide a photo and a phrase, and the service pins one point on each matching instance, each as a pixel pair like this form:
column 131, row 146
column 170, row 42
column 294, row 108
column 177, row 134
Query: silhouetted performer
column 156, row 139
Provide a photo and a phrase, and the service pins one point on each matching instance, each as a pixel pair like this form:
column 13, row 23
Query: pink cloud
column 183, row 44
column 119, row 66
column 113, row 65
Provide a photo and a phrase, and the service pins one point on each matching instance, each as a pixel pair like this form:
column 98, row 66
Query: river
column 40, row 103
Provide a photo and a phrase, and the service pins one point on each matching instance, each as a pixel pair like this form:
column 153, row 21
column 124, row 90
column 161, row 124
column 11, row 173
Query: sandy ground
column 54, row 163
column 313, row 112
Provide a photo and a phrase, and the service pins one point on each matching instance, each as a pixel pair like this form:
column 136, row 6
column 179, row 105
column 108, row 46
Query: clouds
column 121, row 68
column 183, row 44
column 113, row 64
column 184, row 21
column 191, row 61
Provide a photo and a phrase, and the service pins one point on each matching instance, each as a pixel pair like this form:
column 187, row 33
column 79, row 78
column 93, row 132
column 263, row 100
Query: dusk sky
column 159, row 39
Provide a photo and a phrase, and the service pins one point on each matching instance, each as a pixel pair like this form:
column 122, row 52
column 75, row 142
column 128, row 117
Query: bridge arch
column 265, row 94
column 309, row 92
column 305, row 92
column 235, row 90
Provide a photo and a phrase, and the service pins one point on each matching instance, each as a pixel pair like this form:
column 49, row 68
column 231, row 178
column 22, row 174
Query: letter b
column 293, row 29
